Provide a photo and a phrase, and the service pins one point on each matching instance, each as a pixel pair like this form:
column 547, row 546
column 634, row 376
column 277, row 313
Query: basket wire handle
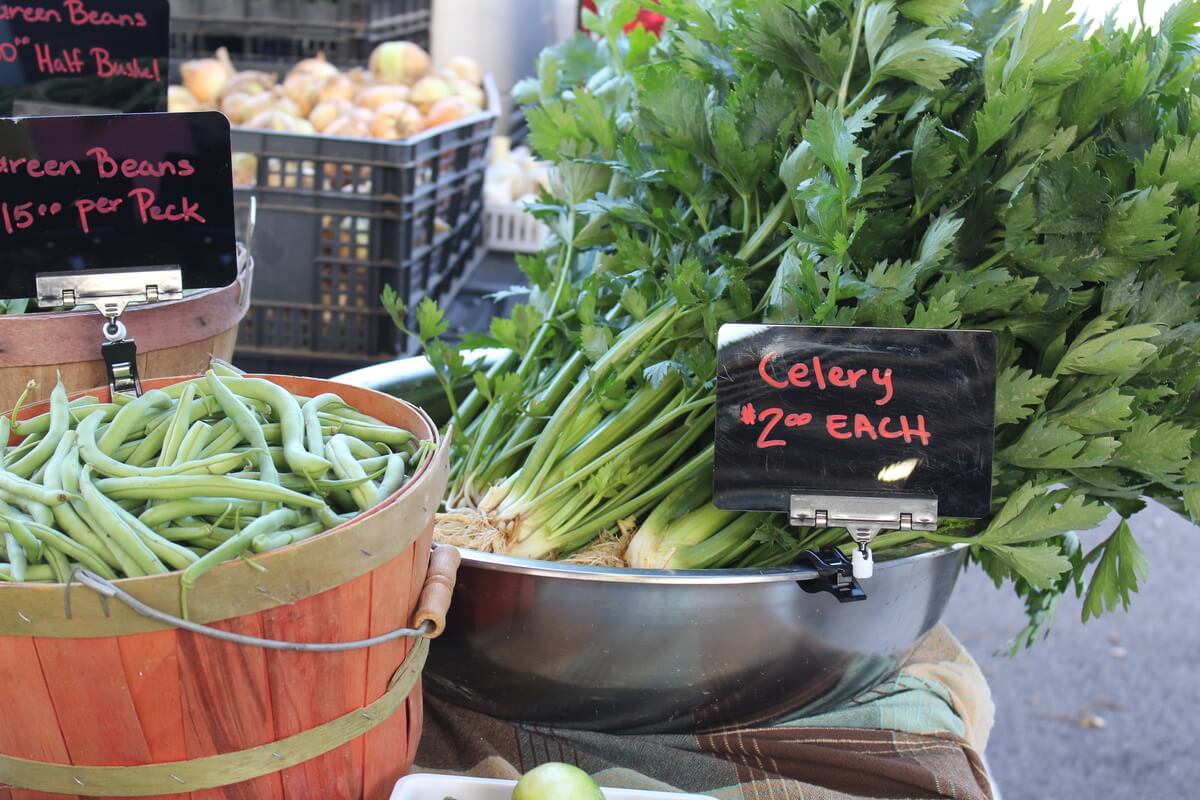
column 431, row 620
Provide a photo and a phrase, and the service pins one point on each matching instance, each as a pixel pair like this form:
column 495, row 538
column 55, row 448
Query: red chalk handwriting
column 98, row 61
column 772, row 417
column 144, row 203
column 76, row 13
column 811, row 372
column 838, row 426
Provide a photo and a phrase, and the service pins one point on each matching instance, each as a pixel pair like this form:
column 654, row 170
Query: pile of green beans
column 188, row 477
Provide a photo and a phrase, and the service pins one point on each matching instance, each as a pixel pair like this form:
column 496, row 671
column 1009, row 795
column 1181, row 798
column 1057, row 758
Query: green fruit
column 557, row 782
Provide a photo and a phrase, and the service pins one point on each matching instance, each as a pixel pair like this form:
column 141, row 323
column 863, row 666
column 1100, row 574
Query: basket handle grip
column 429, row 624
column 439, row 588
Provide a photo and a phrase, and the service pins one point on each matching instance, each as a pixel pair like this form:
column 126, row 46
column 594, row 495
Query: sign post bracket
column 864, row 518
column 111, row 291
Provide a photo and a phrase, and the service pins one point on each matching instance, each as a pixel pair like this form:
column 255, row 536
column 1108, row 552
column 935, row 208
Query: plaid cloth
column 919, row 735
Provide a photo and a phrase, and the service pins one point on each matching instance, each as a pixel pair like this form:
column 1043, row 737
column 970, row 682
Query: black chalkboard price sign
column 115, row 192
column 61, row 57
column 865, row 412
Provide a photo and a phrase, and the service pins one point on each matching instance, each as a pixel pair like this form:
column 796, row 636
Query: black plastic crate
column 338, row 219
column 284, row 31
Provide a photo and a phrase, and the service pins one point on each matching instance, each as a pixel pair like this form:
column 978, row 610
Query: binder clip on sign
column 867, row 429
column 112, row 211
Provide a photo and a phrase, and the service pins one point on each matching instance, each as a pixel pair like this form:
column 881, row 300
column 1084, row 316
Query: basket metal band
column 221, row 770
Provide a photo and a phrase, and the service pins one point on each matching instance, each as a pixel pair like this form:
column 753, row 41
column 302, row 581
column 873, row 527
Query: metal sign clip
column 111, row 291
column 864, row 518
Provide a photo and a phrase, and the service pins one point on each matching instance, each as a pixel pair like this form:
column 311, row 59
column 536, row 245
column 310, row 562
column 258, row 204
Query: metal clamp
column 111, row 291
column 864, row 517
column 835, row 575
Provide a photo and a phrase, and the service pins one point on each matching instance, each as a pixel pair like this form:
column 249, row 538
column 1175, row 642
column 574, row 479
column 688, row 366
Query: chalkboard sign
column 60, row 57
column 867, row 412
column 106, row 192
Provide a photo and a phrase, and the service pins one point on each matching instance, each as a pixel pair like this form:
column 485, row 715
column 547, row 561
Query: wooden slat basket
column 86, row 695
column 174, row 338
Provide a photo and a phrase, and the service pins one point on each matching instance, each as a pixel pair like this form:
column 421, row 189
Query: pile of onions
column 398, row 96
column 513, row 174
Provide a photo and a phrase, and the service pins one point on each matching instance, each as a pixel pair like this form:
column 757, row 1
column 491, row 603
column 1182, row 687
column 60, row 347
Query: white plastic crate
column 508, row 229
column 439, row 787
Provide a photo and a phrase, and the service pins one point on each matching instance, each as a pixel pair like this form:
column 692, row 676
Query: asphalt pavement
column 1106, row 709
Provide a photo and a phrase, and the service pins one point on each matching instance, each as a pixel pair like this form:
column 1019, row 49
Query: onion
column 339, row 87
column 250, row 82
column 396, row 121
column 245, row 169
column 428, row 91
column 360, row 77
column 466, row 69
column 206, row 78
column 447, row 110
column 180, row 99
column 497, row 193
column 501, row 149
column 302, row 89
column 469, row 92
column 280, row 121
column 400, row 62
column 375, row 97
column 242, row 106
column 327, row 111
column 350, row 125
column 318, row 67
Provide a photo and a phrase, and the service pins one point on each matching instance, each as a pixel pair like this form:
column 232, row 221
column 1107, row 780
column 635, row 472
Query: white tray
column 439, row 787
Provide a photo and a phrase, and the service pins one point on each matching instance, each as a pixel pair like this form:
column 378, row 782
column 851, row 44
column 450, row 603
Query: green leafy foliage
column 929, row 163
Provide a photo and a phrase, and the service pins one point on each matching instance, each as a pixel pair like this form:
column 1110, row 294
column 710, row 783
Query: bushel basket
column 99, row 700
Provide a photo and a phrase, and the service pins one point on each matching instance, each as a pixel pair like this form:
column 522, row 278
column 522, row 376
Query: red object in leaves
column 650, row 20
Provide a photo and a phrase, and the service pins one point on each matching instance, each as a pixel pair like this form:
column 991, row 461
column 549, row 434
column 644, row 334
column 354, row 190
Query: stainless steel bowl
column 641, row 651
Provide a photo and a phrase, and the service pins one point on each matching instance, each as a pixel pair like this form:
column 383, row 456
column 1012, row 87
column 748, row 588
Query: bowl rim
column 696, row 577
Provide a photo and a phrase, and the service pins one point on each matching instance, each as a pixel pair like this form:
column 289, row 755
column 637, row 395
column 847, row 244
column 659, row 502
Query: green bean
column 65, row 516
column 216, row 465
column 16, row 558
column 129, row 418
column 178, row 427
column 106, row 513
column 18, row 529
column 79, row 408
column 224, row 369
column 183, row 487
column 194, row 533
column 266, row 542
column 59, row 566
column 120, row 400
column 225, row 437
column 149, row 449
column 354, row 415
column 246, row 424
column 56, row 542
column 201, row 408
column 193, row 443
column 385, row 434
column 39, row 512
column 291, row 419
column 393, row 478
column 233, row 547
column 60, row 422
column 299, row 483
column 27, row 444
column 346, row 467
column 28, row 490
column 70, row 480
column 170, row 553
column 164, row 513
column 37, row 573
column 314, row 438
column 343, row 501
